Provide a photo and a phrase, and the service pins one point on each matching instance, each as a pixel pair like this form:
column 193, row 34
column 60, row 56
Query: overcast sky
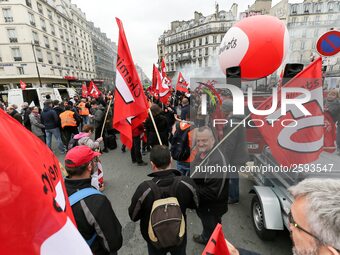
column 145, row 20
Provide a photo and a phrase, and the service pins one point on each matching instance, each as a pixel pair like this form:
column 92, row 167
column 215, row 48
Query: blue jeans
column 56, row 133
column 184, row 168
column 234, row 186
column 180, row 250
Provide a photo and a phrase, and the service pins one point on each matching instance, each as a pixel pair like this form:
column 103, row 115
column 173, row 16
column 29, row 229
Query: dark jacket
column 26, row 118
column 213, row 187
column 162, row 126
column 333, row 107
column 235, row 146
column 16, row 116
column 184, row 111
column 142, row 200
column 49, row 118
column 58, row 110
column 103, row 219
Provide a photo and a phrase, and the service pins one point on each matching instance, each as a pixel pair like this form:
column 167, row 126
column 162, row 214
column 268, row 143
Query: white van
column 37, row 96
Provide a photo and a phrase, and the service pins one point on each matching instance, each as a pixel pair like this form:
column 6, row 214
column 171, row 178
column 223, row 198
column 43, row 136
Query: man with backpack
column 95, row 218
column 160, row 204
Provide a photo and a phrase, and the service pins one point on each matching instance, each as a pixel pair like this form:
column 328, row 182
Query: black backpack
column 166, row 224
column 180, row 149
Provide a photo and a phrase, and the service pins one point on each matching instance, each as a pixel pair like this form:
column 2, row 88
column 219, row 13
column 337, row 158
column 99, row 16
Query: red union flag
column 155, row 75
column 181, row 85
column 161, row 86
column 22, row 85
column 294, row 137
column 93, row 91
column 36, row 217
column 217, row 244
column 130, row 107
column 84, row 91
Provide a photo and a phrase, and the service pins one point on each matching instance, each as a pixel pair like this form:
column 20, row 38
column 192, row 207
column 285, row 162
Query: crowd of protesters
column 175, row 130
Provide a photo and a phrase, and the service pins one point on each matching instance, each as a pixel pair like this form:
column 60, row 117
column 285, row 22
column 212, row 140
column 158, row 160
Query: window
column 29, row 3
column 59, row 20
column 49, row 58
column 64, row 48
column 67, row 37
column 16, row 54
column 330, row 6
column 55, row 44
column 306, row 8
column 206, row 51
column 12, row 35
column 20, row 70
column 305, row 19
column 57, row 58
column 49, row 14
column 52, row 29
column 47, row 42
column 66, row 61
column 35, row 37
column 40, row 8
column 200, row 42
column 318, row 7
column 31, row 19
column 61, row 33
column 43, row 24
column 39, row 55
column 207, row 40
column 7, row 15
column 302, row 45
column 69, row 50
column 294, row 8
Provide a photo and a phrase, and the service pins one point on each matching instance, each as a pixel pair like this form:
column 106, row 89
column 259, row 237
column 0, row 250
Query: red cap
column 79, row 156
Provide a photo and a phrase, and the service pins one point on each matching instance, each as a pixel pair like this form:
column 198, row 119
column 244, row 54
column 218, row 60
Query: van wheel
column 258, row 221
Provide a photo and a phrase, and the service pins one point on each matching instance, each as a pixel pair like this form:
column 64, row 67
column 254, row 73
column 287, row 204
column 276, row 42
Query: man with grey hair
column 314, row 218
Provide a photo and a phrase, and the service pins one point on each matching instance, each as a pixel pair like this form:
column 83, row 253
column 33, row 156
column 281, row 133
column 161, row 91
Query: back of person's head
column 227, row 105
column 160, row 157
column 48, row 103
column 185, row 101
column 55, row 102
column 68, row 107
column 155, row 109
column 48, row 96
column 24, row 105
column 78, row 159
column 322, row 208
column 88, row 128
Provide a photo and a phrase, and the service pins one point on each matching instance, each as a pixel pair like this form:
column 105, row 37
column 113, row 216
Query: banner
column 131, row 107
column 36, row 217
column 181, row 85
column 217, row 244
column 22, row 85
column 293, row 137
column 93, row 91
column 84, row 92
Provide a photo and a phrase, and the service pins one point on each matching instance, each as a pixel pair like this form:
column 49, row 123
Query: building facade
column 194, row 43
column 306, row 22
column 105, row 56
column 46, row 37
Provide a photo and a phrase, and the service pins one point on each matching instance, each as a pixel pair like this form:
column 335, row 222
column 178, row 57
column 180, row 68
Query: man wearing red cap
column 93, row 212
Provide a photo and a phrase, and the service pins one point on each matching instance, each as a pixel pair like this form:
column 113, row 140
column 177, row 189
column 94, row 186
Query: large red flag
column 302, row 141
column 181, row 85
column 130, row 108
column 22, row 85
column 93, row 91
column 217, row 244
column 162, row 87
column 84, row 91
column 35, row 214
column 154, row 85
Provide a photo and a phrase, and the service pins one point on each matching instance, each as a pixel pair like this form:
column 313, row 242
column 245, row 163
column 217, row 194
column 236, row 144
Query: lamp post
column 36, row 64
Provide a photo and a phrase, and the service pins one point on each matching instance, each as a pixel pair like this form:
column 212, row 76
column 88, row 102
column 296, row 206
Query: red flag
column 302, row 143
column 131, row 107
column 217, row 244
column 93, row 90
column 330, row 133
column 181, row 85
column 84, row 91
column 162, row 87
column 36, row 217
column 22, row 85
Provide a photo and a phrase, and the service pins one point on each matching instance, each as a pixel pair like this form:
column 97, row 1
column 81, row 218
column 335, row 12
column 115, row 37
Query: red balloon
column 257, row 44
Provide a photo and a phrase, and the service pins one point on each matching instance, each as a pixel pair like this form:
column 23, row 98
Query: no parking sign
column 329, row 43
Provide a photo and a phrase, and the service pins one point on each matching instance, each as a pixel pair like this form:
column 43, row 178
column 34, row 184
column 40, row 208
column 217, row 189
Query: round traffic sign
column 329, row 43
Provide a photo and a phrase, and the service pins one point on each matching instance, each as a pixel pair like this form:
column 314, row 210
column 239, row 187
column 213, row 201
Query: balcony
column 50, row 62
column 8, row 19
column 13, row 40
column 17, row 58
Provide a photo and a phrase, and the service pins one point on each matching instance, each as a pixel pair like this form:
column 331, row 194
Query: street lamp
column 36, row 64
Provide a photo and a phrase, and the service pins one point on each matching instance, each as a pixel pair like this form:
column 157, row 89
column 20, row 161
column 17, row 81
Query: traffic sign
column 329, row 43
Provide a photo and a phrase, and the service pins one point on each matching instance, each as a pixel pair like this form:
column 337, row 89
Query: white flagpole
column 154, row 124
column 107, row 112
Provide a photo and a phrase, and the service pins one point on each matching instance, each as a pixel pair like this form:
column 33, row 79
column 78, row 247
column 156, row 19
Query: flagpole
column 154, row 124
column 107, row 112
column 220, row 142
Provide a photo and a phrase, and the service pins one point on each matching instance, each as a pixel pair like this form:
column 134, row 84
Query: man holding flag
column 131, row 107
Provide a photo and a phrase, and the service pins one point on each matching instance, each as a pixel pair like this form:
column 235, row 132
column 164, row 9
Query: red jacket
column 138, row 130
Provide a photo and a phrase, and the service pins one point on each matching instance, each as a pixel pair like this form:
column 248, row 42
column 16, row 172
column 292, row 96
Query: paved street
column 122, row 178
